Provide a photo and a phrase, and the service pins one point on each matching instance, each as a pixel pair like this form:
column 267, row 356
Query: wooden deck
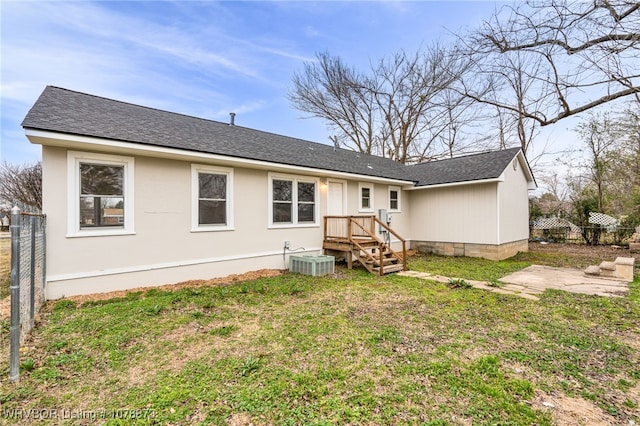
column 356, row 237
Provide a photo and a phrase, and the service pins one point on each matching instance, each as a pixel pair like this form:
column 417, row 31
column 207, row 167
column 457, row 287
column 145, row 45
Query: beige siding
column 478, row 220
column 465, row 213
column 164, row 249
column 400, row 220
column 514, row 206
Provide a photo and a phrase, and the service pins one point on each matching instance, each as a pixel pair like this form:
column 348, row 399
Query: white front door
column 335, row 199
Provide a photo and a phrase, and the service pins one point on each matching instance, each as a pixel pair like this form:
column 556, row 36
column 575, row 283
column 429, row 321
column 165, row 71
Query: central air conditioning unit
column 312, row 265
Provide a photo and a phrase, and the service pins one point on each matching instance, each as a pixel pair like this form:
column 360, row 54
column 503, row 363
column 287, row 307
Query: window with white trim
column 100, row 197
column 212, row 201
column 293, row 201
column 394, row 198
column 365, row 191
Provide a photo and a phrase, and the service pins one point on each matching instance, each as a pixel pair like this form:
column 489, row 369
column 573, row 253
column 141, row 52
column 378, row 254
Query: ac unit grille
column 312, row 265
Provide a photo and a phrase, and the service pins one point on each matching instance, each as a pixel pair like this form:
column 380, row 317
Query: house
column 136, row 196
column 4, row 221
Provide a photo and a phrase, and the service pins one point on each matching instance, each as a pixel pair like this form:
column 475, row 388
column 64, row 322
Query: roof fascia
column 531, row 180
column 467, row 182
column 64, row 140
column 524, row 164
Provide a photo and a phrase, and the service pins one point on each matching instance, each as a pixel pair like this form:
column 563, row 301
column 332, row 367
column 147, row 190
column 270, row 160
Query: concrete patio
column 539, row 278
column 535, row 279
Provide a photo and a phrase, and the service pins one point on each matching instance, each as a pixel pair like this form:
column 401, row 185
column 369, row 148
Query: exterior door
column 335, row 199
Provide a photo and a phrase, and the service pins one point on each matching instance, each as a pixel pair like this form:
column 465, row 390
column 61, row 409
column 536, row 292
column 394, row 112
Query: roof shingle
column 483, row 166
column 74, row 113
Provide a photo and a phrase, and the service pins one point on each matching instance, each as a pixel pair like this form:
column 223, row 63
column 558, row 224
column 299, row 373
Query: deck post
column 350, row 237
column 404, row 255
column 324, row 220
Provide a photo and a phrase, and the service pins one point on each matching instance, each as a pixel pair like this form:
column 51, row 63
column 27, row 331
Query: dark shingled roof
column 69, row 112
column 487, row 165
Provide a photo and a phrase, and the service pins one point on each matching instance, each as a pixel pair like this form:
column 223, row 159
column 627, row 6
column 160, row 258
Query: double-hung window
column 293, row 201
column 366, row 197
column 394, row 199
column 100, row 198
column 212, row 207
column 282, row 200
column 306, row 202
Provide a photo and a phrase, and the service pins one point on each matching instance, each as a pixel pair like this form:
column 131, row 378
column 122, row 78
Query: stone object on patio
column 624, row 268
column 621, row 268
column 608, row 269
column 592, row 270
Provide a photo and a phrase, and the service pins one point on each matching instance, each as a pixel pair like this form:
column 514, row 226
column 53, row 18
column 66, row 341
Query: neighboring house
column 136, row 196
column 4, row 221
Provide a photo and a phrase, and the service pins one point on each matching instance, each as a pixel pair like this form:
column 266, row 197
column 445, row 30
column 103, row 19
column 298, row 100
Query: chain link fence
column 28, row 277
column 592, row 235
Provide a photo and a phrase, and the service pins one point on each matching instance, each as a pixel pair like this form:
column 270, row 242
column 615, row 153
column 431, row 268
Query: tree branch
column 504, row 47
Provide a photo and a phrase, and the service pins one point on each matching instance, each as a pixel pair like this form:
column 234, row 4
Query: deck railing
column 348, row 227
column 357, row 228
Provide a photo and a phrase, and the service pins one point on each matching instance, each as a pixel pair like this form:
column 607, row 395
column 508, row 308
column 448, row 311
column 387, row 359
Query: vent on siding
column 312, row 265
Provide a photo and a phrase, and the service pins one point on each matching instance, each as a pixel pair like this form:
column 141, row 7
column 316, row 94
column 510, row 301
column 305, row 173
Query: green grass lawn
column 351, row 348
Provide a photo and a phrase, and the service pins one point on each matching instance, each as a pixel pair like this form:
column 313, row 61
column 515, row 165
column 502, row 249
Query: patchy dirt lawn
column 352, row 348
column 591, row 254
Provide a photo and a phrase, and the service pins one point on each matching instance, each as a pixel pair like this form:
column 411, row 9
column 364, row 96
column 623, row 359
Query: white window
column 212, row 201
column 292, row 201
column 394, row 199
column 100, row 194
column 365, row 191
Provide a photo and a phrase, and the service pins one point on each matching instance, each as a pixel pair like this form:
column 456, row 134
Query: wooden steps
column 356, row 237
column 389, row 269
column 369, row 257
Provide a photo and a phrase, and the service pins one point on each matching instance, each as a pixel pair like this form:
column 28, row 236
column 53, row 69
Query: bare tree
column 458, row 129
column 399, row 110
column 21, row 184
column 507, row 78
column 331, row 90
column 624, row 177
column 545, row 61
column 629, row 135
column 598, row 135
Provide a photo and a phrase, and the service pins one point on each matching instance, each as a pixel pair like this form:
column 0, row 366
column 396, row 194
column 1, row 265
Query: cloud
column 310, row 31
column 198, row 58
column 239, row 109
column 177, row 56
column 86, row 39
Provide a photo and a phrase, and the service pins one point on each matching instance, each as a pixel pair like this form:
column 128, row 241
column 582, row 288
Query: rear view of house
column 137, row 196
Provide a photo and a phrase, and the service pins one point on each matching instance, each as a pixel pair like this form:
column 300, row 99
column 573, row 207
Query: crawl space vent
column 312, row 265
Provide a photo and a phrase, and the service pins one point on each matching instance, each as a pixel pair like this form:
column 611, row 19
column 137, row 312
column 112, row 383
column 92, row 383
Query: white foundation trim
column 177, row 264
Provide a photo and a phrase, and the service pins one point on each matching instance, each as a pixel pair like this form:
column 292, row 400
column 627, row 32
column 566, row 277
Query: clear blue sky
column 202, row 58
